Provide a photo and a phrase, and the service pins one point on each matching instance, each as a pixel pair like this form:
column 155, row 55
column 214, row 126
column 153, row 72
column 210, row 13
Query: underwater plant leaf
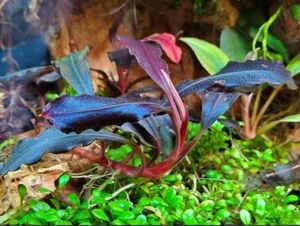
column 122, row 58
column 149, row 58
column 241, row 77
column 20, row 93
column 76, row 71
column 234, row 44
column 87, row 111
column 294, row 65
column 210, row 56
column 155, row 131
column 31, row 150
column 216, row 103
column 168, row 44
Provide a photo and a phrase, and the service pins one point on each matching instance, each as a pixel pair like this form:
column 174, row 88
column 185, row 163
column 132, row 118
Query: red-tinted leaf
column 149, row 58
column 85, row 111
column 167, row 43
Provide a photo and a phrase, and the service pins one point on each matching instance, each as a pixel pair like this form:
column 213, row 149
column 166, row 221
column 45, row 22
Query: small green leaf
column 141, row 220
column 127, row 215
column 74, row 199
column 99, row 213
column 43, row 190
column 295, row 11
column 210, row 56
column 144, row 201
column 291, row 118
column 234, row 44
column 170, row 194
column 22, row 190
column 291, row 198
column 55, row 203
column 63, row 180
column 82, row 215
column 245, row 217
column 38, row 206
column 294, row 65
column 260, row 206
column 189, row 218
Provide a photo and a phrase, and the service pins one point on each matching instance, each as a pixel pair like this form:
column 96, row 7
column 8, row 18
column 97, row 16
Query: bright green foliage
column 214, row 191
column 210, row 56
column 294, row 65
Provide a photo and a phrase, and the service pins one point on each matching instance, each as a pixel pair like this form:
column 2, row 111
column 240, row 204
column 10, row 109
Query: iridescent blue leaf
column 216, row 103
column 154, row 131
column 242, row 77
column 31, row 150
column 76, row 71
column 86, row 111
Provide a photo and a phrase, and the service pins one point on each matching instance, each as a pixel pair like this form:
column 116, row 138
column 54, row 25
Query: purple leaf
column 86, row 111
column 149, row 58
column 31, row 150
column 21, row 94
column 75, row 69
column 242, row 77
column 122, row 58
column 216, row 103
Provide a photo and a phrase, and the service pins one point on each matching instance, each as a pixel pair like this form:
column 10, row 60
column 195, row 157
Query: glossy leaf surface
column 149, row 58
column 86, row 111
column 241, row 77
column 30, row 150
column 75, row 69
column 215, row 104
column 210, row 56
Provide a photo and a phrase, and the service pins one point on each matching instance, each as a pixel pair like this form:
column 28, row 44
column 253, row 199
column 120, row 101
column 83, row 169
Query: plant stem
column 120, row 190
column 265, row 107
column 246, row 101
column 256, row 105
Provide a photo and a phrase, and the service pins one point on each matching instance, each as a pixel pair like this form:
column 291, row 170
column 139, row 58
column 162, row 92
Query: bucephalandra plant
column 158, row 123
